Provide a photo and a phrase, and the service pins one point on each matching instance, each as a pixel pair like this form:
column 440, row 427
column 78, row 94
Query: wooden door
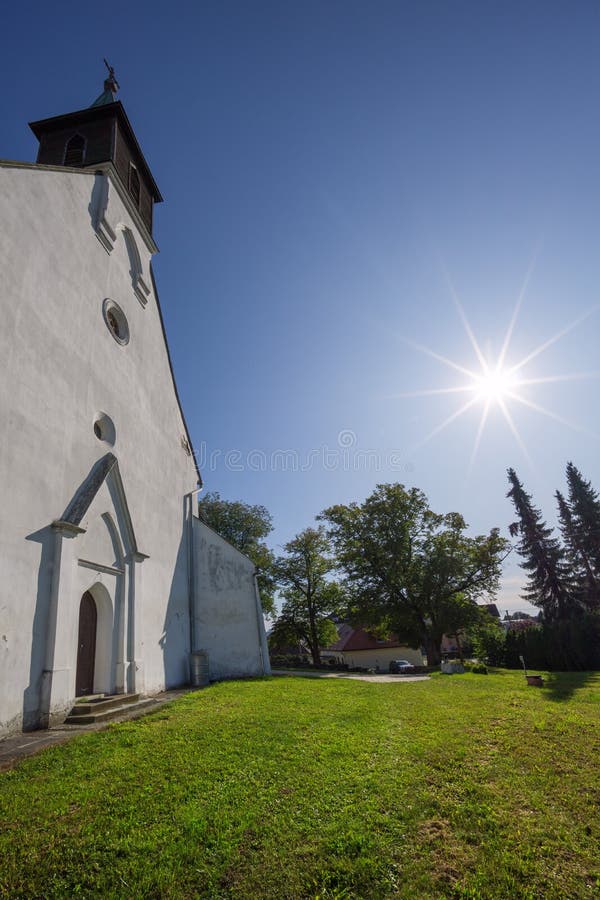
column 86, row 646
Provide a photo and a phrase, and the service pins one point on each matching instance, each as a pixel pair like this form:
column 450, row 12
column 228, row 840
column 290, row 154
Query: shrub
column 489, row 644
column 478, row 669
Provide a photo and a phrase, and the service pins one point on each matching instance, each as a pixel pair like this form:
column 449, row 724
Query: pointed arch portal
column 92, row 639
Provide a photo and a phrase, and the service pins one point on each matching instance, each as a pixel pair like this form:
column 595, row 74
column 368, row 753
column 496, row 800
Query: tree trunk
column 314, row 647
column 459, row 647
column 433, row 651
column 314, row 641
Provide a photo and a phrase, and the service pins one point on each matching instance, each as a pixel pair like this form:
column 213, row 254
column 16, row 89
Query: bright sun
column 496, row 384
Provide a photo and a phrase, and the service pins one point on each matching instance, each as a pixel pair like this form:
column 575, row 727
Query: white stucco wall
column 59, row 367
column 228, row 623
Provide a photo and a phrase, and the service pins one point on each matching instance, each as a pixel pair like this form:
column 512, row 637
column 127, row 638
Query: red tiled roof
column 344, row 632
column 350, row 638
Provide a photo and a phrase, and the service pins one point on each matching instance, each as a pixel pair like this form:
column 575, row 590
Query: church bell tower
column 99, row 136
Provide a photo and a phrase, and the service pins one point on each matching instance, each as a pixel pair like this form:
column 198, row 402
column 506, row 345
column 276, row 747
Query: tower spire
column 111, row 86
column 101, row 138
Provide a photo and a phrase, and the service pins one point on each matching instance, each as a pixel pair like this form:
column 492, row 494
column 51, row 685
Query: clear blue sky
column 329, row 169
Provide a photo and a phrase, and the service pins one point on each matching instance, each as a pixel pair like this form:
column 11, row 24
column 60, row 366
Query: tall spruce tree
column 543, row 557
column 585, row 509
column 581, row 576
column 584, row 532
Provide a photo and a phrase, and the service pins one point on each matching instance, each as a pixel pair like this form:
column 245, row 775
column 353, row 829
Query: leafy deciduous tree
column 310, row 596
column 488, row 638
column 410, row 570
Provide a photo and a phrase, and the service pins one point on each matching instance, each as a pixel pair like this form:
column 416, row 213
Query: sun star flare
column 497, row 384
column 494, row 384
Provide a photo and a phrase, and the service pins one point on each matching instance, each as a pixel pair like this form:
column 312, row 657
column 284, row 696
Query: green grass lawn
column 462, row 786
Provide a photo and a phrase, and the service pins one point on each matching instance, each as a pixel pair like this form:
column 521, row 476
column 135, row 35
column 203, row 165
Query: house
column 109, row 580
column 491, row 609
column 520, row 624
column 359, row 647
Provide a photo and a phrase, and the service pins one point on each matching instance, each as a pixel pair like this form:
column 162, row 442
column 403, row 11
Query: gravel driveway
column 355, row 676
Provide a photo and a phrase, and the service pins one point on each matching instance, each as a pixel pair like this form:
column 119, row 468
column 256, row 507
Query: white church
column 110, row 583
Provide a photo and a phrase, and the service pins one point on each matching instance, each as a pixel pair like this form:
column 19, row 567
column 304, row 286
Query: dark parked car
column 401, row 666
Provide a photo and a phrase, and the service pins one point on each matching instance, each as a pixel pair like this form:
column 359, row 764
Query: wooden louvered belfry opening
column 74, row 151
column 134, row 184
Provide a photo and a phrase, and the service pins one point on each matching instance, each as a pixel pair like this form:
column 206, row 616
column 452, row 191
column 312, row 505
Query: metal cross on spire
column 111, row 86
column 111, row 83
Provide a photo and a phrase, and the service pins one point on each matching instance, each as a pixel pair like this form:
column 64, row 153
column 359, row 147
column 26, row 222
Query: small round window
column 104, row 428
column 115, row 321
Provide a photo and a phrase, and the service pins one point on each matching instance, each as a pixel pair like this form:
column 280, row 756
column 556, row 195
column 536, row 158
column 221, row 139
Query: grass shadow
column 560, row 686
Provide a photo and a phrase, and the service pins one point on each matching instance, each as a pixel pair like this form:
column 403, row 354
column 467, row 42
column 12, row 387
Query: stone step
column 101, row 703
column 129, row 708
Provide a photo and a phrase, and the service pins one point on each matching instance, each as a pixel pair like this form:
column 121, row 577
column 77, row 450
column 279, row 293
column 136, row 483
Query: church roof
column 105, row 97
